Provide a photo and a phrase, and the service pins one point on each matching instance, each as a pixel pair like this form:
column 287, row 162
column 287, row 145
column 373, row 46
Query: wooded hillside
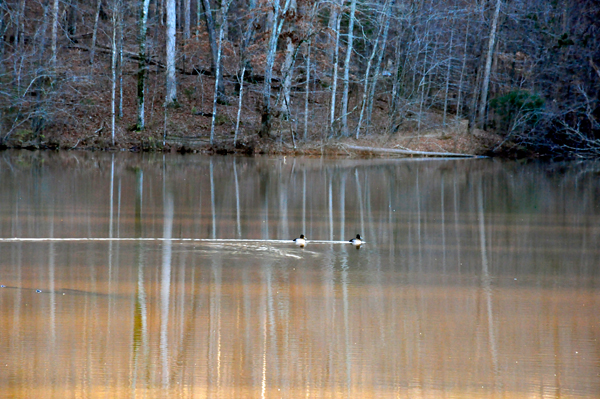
column 118, row 73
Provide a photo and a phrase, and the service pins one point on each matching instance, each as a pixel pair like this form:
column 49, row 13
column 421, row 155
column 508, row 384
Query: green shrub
column 516, row 110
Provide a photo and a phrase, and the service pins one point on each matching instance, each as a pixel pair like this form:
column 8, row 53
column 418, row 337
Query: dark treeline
column 526, row 70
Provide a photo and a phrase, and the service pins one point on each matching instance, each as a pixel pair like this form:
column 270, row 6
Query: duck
column 300, row 241
column 357, row 241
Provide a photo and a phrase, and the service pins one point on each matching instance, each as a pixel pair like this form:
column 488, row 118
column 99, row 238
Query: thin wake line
column 232, row 240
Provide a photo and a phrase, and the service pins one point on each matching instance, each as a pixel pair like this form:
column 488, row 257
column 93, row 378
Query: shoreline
column 477, row 144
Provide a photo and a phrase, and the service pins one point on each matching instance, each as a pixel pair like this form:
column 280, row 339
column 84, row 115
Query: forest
column 253, row 75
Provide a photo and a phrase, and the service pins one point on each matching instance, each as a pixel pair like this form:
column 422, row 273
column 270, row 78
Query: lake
column 153, row 276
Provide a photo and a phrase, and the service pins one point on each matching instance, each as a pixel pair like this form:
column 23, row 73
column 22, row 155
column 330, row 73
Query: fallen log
column 377, row 150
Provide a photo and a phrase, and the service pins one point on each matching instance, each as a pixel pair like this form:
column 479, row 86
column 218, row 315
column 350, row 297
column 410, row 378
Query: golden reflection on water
column 477, row 280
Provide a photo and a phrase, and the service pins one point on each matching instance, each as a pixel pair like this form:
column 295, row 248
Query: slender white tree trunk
column 141, row 88
column 114, row 71
column 422, row 84
column 462, row 72
column 239, row 113
column 276, row 26
column 224, row 8
column 171, row 96
column 376, row 74
column 198, row 17
column 120, row 60
column 488, row 66
column 288, row 66
column 210, row 28
column 366, row 88
column 212, row 39
column 95, row 33
column 19, row 17
column 243, row 63
column 54, row 32
column 332, row 26
column 307, row 90
column 287, row 79
column 186, row 26
column 366, row 98
column 266, row 111
column 336, row 56
column 349, row 50
column 2, row 30
column 448, row 78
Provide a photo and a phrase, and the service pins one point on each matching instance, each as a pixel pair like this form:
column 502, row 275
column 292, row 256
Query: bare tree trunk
column 239, row 113
column 186, row 28
column 161, row 11
column 72, row 20
column 332, row 26
column 38, row 113
column 366, row 87
column 448, row 78
column 95, row 33
column 349, row 50
column 244, row 63
column 55, row 10
column 376, row 74
column 422, row 84
column 488, row 67
column 336, row 56
column 120, row 59
column 198, row 17
column 265, row 130
column 19, row 18
column 475, row 90
column 210, row 27
column 287, row 68
column 171, row 97
column 308, row 45
column 462, row 72
column 2, row 31
column 397, row 84
column 114, row 70
column 224, row 9
column 287, row 79
column 141, row 84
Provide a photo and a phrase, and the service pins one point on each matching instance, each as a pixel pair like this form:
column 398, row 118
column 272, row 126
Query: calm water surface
column 478, row 279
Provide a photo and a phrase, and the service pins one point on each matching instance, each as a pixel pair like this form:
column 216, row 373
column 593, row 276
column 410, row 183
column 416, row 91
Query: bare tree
column 488, row 66
column 276, row 25
column 55, row 9
column 141, row 84
column 287, row 68
column 462, row 72
column 224, row 9
column 171, row 97
column 381, row 51
column 349, row 49
column 307, row 93
column 336, row 24
column 115, row 12
column 449, row 61
column 186, row 27
column 212, row 39
column 95, row 32
column 2, row 31
column 244, row 62
column 526, row 70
